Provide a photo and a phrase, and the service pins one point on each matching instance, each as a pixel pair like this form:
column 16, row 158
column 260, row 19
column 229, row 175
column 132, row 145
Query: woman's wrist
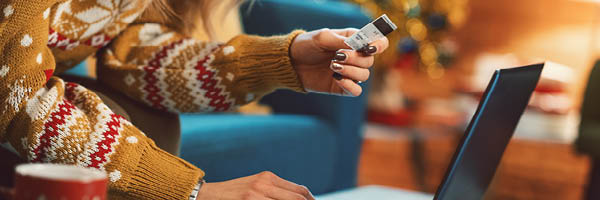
column 194, row 194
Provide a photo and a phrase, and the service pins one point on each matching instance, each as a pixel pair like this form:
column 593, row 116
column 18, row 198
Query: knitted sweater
column 48, row 120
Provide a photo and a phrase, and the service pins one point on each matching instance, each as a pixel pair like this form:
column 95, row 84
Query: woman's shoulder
column 91, row 22
column 79, row 28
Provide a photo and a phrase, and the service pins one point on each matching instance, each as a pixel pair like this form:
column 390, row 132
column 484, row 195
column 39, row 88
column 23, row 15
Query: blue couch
column 313, row 139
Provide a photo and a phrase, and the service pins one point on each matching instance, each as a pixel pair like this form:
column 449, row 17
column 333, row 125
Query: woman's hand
column 316, row 55
column 262, row 186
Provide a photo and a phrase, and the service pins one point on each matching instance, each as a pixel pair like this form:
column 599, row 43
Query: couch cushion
column 79, row 70
column 226, row 146
column 269, row 17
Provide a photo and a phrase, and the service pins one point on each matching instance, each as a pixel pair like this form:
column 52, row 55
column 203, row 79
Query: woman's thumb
column 330, row 40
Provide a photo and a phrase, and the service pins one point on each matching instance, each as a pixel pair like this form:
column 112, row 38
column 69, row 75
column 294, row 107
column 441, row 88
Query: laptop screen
column 478, row 155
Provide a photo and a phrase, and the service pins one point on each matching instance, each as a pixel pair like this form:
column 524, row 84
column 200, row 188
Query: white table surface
column 376, row 192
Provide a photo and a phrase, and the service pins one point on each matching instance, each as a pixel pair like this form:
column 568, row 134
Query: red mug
column 59, row 182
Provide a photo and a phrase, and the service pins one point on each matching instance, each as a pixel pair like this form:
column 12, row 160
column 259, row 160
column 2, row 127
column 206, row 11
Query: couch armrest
column 346, row 114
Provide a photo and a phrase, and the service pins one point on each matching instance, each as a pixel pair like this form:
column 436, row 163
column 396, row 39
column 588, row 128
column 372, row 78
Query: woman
column 144, row 53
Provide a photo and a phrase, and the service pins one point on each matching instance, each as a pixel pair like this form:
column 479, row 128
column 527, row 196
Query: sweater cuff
column 160, row 175
column 275, row 68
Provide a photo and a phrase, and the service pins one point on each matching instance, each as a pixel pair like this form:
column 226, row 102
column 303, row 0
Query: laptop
column 480, row 151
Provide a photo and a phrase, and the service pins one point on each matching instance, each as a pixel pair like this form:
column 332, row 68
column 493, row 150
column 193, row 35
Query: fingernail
column 368, row 50
column 336, row 67
column 337, row 76
column 371, row 49
column 340, row 57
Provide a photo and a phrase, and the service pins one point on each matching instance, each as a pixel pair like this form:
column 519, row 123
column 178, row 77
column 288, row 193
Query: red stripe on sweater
column 109, row 137
column 98, row 41
column 57, row 40
column 151, row 88
column 57, row 117
column 209, row 83
column 104, row 146
column 70, row 90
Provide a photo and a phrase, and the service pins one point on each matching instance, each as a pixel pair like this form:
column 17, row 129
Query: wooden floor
column 417, row 160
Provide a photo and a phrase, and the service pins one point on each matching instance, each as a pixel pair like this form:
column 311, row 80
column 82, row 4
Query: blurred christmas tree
column 422, row 40
column 422, row 46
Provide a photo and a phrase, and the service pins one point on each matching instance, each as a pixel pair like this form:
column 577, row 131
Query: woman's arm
column 159, row 67
column 48, row 120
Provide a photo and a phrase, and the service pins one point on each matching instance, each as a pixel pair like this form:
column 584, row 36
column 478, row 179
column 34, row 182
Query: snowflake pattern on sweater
column 49, row 120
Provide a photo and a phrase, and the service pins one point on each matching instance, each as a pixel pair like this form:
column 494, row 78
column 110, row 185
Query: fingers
column 349, row 87
column 295, row 188
column 380, row 45
column 347, row 32
column 329, row 40
column 332, row 40
column 275, row 187
column 350, row 66
column 351, row 72
column 279, row 193
column 350, row 57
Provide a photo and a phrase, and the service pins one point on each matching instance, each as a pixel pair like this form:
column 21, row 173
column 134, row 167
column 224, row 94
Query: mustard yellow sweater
column 48, row 120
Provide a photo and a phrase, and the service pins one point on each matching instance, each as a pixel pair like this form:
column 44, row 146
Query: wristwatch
column 196, row 189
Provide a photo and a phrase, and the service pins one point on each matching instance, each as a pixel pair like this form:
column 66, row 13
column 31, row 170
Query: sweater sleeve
column 161, row 68
column 48, row 120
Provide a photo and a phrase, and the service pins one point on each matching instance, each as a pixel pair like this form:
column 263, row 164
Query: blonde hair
column 185, row 15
